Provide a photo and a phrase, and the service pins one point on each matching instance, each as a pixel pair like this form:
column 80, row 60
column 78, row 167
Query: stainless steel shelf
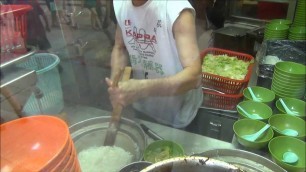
column 19, row 57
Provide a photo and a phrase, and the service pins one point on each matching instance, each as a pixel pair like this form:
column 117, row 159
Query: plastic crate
column 48, row 82
column 223, row 84
column 20, row 19
column 13, row 28
column 221, row 101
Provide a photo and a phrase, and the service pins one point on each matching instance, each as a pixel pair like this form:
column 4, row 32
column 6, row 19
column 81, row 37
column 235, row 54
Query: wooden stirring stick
column 116, row 114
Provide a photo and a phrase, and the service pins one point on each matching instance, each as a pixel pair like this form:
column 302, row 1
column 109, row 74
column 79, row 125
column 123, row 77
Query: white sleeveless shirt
column 148, row 37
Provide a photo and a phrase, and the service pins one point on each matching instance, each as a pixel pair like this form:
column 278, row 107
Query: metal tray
column 246, row 161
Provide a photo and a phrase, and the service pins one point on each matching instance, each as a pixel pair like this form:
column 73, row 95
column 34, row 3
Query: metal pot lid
column 246, row 161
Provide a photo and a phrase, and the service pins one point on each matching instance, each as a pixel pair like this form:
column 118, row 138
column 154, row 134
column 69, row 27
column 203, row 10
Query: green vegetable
column 159, row 154
column 226, row 66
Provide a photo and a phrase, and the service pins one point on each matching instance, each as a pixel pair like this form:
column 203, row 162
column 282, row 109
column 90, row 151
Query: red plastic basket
column 19, row 12
column 223, row 84
column 221, row 101
column 13, row 28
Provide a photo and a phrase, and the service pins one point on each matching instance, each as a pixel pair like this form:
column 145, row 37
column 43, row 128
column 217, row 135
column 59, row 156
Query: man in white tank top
column 158, row 39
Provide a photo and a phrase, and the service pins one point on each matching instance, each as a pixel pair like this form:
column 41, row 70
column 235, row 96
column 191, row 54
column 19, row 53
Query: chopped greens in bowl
column 225, row 66
column 161, row 150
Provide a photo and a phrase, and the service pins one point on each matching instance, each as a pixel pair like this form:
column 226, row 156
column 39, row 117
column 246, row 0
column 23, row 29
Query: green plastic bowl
column 281, row 21
column 277, row 27
column 281, row 144
column 265, row 94
column 294, row 78
column 275, row 33
column 161, row 150
column 293, row 104
column 250, row 126
column 287, row 90
column 252, row 107
column 288, row 82
column 289, row 85
column 285, row 121
column 290, row 68
column 298, row 30
column 280, row 95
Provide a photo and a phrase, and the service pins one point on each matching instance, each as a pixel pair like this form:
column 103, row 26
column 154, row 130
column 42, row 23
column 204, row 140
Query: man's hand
column 125, row 93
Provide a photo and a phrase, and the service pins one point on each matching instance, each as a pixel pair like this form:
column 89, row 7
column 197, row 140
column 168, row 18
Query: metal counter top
column 192, row 143
column 195, row 143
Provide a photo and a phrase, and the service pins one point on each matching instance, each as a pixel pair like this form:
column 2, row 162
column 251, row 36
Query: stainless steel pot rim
column 130, row 136
column 191, row 161
column 135, row 166
column 252, row 160
column 103, row 117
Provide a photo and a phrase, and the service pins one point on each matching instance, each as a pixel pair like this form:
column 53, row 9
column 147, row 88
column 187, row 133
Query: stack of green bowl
column 289, row 80
column 300, row 13
column 281, row 21
column 297, row 33
column 275, row 31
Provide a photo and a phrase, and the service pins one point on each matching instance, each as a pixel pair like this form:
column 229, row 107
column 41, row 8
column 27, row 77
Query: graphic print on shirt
column 144, row 43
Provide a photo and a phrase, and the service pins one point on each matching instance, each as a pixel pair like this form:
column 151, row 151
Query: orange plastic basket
column 223, row 84
column 221, row 101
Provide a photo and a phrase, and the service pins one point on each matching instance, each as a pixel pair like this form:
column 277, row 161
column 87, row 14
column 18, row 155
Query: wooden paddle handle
column 116, row 115
column 126, row 73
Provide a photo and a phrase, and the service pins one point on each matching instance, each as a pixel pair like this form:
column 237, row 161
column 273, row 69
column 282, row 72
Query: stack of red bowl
column 37, row 143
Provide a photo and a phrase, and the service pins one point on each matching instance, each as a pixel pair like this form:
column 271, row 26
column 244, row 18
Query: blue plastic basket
column 48, row 82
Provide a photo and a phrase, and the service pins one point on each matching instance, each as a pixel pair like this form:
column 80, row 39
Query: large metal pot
column 246, row 161
column 91, row 132
column 191, row 163
column 135, row 166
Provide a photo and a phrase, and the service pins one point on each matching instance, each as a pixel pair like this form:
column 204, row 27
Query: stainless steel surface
column 17, row 85
column 136, row 166
column 233, row 37
column 150, row 133
column 219, row 110
column 18, row 58
column 245, row 160
column 232, row 31
column 214, row 124
column 193, row 163
column 91, row 132
column 191, row 142
column 18, row 78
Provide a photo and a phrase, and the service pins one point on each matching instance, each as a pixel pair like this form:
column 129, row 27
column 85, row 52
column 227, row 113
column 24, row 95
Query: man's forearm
column 177, row 84
column 118, row 60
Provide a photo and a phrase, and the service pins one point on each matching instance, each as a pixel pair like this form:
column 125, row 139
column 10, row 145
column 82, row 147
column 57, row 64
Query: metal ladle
column 287, row 131
column 252, row 116
column 290, row 157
